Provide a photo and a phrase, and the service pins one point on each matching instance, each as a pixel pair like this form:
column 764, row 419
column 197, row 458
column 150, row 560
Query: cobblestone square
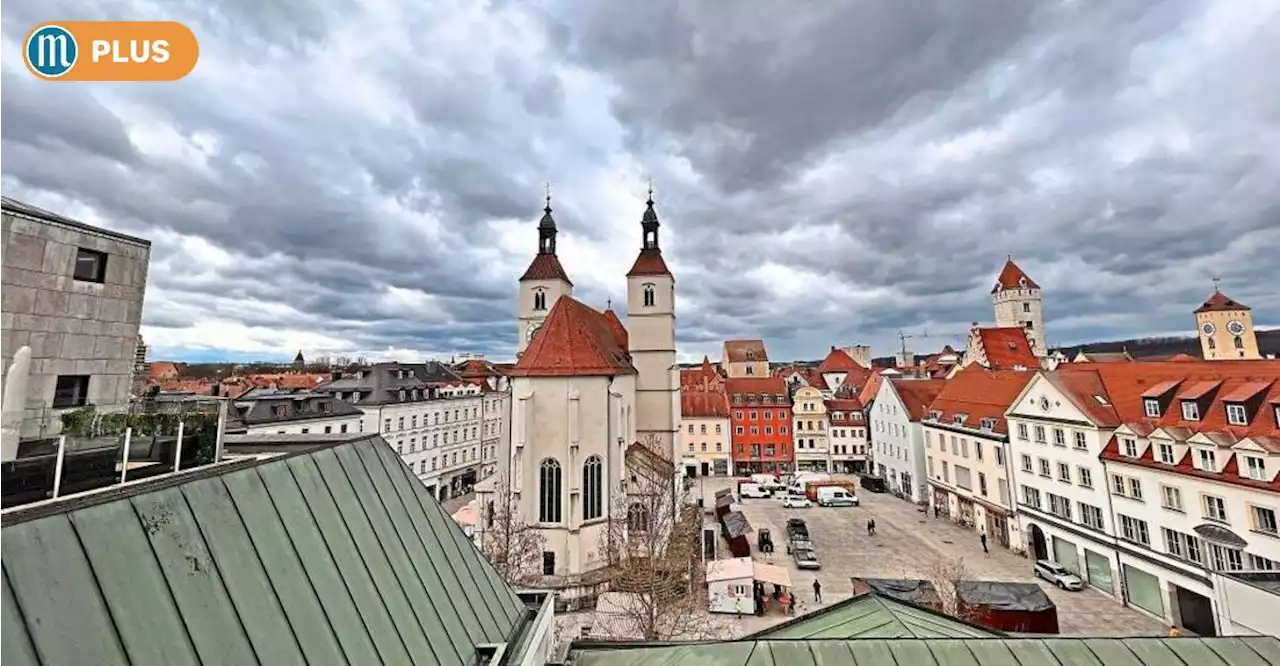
column 908, row 544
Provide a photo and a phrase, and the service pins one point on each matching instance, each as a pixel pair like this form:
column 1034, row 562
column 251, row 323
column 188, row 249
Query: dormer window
column 399, row 374
column 338, row 395
column 1130, row 447
column 958, row 419
column 1276, row 409
column 355, row 396
column 1190, row 410
column 359, row 374
column 326, row 407
column 415, row 394
column 987, row 424
column 280, row 411
column 401, row 395
column 1206, row 460
column 1254, row 468
column 1151, row 407
column 935, row 414
column 1236, row 415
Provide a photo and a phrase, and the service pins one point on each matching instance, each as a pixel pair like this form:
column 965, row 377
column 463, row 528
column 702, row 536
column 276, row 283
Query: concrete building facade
column 897, row 440
column 73, row 293
column 809, row 423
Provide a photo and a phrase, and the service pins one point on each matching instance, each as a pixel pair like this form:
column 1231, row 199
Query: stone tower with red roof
column 1225, row 329
column 1017, row 302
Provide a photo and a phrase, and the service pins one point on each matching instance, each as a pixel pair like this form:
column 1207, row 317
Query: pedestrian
column 873, row 527
column 935, row 510
column 984, row 543
column 870, row 528
column 817, row 591
column 1175, row 631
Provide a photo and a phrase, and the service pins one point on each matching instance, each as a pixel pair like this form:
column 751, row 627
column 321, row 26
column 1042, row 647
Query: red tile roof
column 1220, row 302
column 704, row 404
column 1007, row 347
column 158, row 370
column 574, row 341
column 872, row 386
column 758, row 385
column 838, row 361
column 619, row 331
column 649, row 262
column 545, row 267
column 477, row 368
column 843, row 405
column 1013, row 277
column 916, row 394
column 979, row 393
column 735, row 351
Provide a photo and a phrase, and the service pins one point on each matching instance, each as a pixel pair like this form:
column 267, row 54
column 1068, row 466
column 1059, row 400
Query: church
column 586, row 388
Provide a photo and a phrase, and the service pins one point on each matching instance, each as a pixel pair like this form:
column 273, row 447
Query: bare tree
column 512, row 545
column 652, row 545
column 947, row 578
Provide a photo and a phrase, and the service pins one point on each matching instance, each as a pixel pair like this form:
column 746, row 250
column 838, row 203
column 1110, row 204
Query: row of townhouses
column 1155, row 481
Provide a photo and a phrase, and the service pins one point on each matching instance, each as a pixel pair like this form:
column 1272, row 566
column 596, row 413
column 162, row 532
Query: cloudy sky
column 365, row 177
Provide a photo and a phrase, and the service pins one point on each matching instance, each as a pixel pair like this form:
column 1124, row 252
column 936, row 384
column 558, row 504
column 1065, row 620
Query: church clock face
column 1208, row 328
column 533, row 328
column 1235, row 328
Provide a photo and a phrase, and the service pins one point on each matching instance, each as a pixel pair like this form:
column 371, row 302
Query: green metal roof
column 873, row 616
column 1250, row 651
column 337, row 555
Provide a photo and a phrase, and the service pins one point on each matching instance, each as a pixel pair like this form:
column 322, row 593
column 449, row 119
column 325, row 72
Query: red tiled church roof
column 545, row 267
column 649, row 262
column 1007, row 347
column 574, row 341
column 1220, row 302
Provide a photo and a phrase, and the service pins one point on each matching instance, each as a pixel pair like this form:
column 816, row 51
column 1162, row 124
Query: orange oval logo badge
column 111, row 51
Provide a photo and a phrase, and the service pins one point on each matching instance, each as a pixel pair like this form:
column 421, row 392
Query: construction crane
column 903, row 337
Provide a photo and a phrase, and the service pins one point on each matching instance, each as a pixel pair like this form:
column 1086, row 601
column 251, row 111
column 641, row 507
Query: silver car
column 1057, row 574
column 806, row 558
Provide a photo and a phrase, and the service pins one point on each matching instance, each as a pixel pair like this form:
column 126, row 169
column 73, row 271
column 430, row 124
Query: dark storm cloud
column 828, row 173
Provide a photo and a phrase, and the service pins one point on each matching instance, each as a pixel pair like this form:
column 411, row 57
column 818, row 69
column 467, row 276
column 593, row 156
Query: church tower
column 1017, row 301
column 543, row 283
column 651, row 328
column 1225, row 329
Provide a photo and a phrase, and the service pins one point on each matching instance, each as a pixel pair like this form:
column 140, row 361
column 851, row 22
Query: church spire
column 547, row 228
column 649, row 223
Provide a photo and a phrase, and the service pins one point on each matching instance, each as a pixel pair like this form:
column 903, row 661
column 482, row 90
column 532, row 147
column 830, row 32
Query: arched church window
column 648, row 296
column 593, row 488
column 549, row 491
column 539, row 300
column 1212, row 344
column 1239, row 342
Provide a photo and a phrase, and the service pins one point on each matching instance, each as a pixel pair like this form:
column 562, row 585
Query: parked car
column 752, row 490
column 806, row 558
column 796, row 502
column 1058, row 575
column 768, row 482
column 797, row 527
column 764, row 540
column 872, row 483
column 836, row 496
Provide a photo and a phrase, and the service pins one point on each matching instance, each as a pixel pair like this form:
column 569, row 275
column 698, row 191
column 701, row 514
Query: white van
column 767, row 481
column 836, row 496
column 747, row 490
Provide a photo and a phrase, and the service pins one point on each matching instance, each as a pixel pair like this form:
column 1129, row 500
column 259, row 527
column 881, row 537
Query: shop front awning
column 771, row 573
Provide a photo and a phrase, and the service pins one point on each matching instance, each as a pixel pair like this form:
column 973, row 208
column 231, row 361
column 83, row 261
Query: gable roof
column 870, row 615
column 979, row 393
column 574, row 341
column 1013, row 277
column 1257, row 650
column 735, row 351
column 1220, row 302
column 838, row 360
column 334, row 555
column 917, row 394
column 1006, row 347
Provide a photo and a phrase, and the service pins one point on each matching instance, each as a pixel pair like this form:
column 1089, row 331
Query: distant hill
column 1268, row 343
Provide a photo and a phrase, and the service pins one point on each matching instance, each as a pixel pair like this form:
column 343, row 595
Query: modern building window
column 91, row 266
column 548, row 491
column 593, row 488
column 71, row 391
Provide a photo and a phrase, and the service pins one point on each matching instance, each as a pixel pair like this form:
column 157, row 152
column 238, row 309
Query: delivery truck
column 811, row 488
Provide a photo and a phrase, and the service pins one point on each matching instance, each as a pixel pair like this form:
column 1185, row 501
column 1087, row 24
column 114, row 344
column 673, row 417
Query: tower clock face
column 1235, row 328
column 533, row 328
column 1208, row 328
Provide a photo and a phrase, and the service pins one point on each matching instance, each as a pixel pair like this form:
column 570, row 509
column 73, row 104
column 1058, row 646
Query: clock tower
column 543, row 283
column 1225, row 329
